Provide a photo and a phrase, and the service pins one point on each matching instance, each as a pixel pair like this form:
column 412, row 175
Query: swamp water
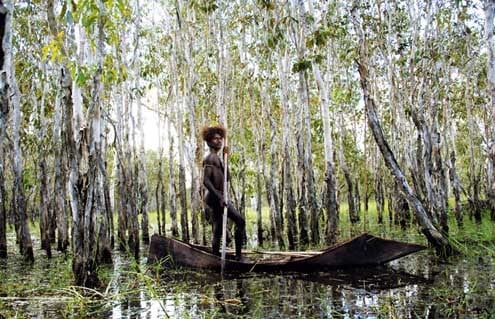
column 416, row 286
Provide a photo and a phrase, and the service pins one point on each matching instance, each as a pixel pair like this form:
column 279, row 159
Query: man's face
column 216, row 142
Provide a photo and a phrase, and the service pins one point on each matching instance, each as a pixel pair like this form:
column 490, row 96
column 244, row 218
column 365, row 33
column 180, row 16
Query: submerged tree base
column 85, row 273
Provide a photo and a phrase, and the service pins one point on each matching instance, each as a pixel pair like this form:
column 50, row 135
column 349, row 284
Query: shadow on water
column 418, row 286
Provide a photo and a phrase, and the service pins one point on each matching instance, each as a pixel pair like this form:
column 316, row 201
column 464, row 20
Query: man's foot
column 239, row 258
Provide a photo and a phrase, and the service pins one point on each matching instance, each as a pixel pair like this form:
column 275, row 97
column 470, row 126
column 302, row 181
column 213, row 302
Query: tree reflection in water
column 417, row 286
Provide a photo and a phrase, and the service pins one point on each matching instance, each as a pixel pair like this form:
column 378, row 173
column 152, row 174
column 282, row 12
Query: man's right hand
column 223, row 203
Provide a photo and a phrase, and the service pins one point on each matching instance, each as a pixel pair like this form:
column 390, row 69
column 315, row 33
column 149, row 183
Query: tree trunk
column 184, row 221
column 474, row 170
column 456, row 189
column 351, row 195
column 131, row 182
column 194, row 152
column 83, row 266
column 44, row 209
column 20, row 209
column 171, row 186
column 141, row 173
column 379, row 197
column 279, row 226
column 302, row 199
column 489, row 10
column 158, row 199
column 389, row 205
column 195, row 188
column 184, row 224
column 303, row 133
column 159, row 190
column 270, row 177
column 60, row 179
column 87, row 184
column 330, row 202
column 259, row 164
column 290, row 202
column 436, row 238
column 259, row 215
column 105, row 220
column 351, row 200
column 121, row 172
column 143, row 187
column 269, row 197
column 311, row 195
column 60, row 163
column 4, row 112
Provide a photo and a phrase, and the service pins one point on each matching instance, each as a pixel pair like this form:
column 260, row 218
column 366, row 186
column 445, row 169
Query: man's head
column 213, row 136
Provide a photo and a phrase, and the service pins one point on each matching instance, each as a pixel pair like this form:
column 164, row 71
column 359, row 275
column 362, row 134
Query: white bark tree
column 4, row 112
column 19, row 200
column 489, row 9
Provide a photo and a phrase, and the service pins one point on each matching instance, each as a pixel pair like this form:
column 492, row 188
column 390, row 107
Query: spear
column 225, row 198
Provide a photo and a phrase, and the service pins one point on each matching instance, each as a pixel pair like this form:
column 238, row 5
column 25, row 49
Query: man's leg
column 240, row 226
column 216, row 223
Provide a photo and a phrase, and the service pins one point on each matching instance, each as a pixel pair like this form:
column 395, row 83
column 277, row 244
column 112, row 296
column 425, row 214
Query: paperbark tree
column 330, row 196
column 184, row 219
column 86, row 174
column 19, row 200
column 121, row 171
column 160, row 187
column 141, row 173
column 105, row 222
column 271, row 183
column 178, row 116
column 489, row 9
column 4, row 112
column 44, row 204
column 453, row 176
column 193, row 151
column 172, row 190
column 60, row 180
column 435, row 237
column 305, row 118
column 131, row 181
column 349, row 179
column 60, row 155
column 290, row 202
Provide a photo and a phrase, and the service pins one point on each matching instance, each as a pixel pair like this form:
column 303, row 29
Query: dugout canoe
column 363, row 250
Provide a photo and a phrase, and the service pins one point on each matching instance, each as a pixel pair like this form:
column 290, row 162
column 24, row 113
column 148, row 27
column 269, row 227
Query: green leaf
column 301, row 65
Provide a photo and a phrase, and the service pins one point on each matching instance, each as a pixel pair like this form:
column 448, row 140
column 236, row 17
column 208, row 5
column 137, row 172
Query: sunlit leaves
column 81, row 75
column 53, row 50
column 266, row 4
column 301, row 65
column 206, row 6
column 319, row 37
column 112, row 71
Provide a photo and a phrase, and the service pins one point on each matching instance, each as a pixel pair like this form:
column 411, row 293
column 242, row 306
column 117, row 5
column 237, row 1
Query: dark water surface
column 417, row 286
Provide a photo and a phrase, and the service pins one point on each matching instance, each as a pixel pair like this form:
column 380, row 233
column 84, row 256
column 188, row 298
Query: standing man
column 213, row 180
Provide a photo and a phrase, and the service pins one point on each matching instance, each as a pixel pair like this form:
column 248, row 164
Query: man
column 213, row 180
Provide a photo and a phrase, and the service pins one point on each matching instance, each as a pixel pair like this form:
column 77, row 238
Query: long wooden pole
column 225, row 198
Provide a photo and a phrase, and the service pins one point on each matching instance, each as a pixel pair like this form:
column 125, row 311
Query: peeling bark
column 4, row 112
column 19, row 200
column 489, row 10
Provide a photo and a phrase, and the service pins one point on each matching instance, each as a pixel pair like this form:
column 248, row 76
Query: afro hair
column 207, row 133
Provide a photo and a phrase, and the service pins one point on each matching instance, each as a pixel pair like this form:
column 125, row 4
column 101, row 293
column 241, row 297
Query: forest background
column 326, row 102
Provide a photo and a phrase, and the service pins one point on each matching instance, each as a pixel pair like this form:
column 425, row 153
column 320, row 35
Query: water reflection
column 418, row 286
column 354, row 294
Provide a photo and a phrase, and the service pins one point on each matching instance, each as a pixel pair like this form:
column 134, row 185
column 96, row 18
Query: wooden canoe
column 363, row 250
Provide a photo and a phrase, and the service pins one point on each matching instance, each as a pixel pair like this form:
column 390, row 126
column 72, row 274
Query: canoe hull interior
column 363, row 250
